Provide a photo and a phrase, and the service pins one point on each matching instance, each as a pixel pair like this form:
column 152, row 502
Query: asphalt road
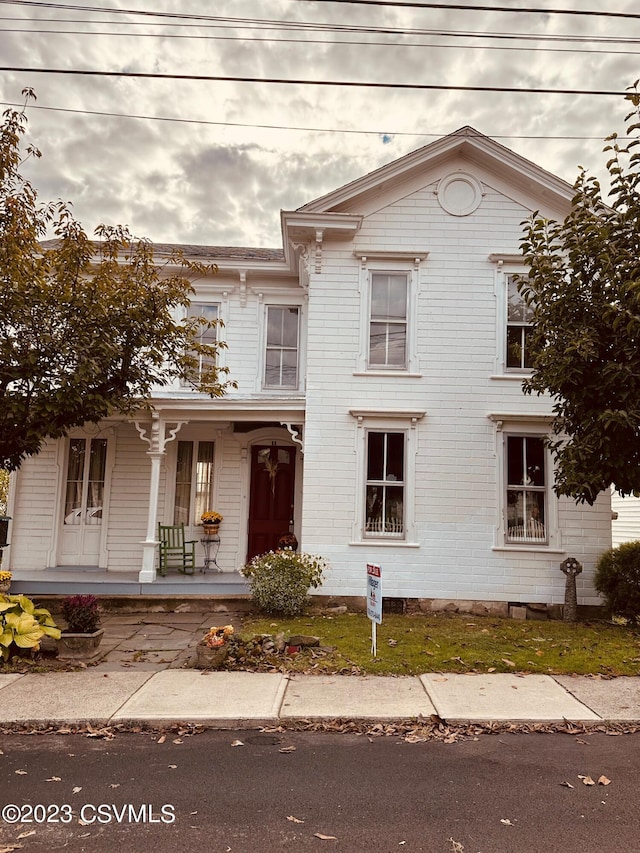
column 497, row 794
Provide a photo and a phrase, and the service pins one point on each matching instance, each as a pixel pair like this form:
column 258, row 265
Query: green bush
column 280, row 580
column 617, row 578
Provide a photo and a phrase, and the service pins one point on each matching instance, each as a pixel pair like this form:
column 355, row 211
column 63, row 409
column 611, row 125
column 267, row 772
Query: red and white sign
column 374, row 593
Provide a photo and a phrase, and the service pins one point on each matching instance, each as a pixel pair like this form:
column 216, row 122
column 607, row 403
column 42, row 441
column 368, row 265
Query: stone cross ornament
column 571, row 568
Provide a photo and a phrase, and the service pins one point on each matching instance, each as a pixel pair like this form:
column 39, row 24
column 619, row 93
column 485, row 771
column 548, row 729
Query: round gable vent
column 459, row 193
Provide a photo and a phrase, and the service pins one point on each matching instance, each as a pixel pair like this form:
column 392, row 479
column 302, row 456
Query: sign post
column 374, row 601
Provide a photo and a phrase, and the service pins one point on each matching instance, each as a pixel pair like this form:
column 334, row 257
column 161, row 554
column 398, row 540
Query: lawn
column 408, row 645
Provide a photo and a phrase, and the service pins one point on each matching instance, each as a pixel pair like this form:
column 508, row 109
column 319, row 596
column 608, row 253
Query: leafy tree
column 584, row 285
column 88, row 327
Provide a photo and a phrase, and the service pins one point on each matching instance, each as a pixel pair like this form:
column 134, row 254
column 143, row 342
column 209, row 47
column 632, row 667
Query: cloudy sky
column 214, row 161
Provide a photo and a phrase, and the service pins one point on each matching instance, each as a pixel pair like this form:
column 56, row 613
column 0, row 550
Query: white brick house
column 379, row 412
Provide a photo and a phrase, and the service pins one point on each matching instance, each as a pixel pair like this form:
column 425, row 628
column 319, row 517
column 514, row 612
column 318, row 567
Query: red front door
column 271, row 498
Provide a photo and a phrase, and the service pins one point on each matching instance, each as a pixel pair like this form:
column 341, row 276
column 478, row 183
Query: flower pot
column 211, row 529
column 208, row 658
column 79, row 646
column 5, row 586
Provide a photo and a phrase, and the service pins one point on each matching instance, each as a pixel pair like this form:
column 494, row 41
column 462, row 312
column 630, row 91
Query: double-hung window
column 209, row 311
column 526, row 489
column 519, row 319
column 282, row 346
column 194, row 481
column 388, row 320
column 385, row 484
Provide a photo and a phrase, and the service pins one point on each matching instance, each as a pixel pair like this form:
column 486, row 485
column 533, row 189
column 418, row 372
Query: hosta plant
column 23, row 625
column 280, row 580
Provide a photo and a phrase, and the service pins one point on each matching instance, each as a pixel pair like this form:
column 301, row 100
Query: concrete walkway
column 143, row 675
column 248, row 699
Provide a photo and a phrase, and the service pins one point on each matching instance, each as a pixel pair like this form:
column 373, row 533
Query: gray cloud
column 226, row 184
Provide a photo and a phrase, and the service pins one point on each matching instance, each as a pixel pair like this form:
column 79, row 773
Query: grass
column 409, row 645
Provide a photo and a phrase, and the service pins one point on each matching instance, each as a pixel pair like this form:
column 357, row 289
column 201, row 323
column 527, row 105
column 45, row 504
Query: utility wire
column 400, row 4
column 284, row 127
column 437, row 33
column 333, row 42
column 295, row 82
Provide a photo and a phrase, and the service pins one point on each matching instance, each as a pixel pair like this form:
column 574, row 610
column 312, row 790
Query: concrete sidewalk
column 247, row 700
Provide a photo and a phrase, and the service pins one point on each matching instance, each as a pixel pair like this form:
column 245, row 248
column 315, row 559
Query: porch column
column 156, row 439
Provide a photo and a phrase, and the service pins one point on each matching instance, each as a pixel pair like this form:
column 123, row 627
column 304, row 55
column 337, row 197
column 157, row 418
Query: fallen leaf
column 604, row 781
column 324, row 837
column 54, row 779
column 287, row 749
column 566, row 784
column 506, row 821
column 587, row 780
column 26, row 834
column 491, row 669
column 172, row 766
column 236, row 743
column 391, row 642
column 11, row 848
column 115, row 785
column 177, row 740
column 507, row 661
column 76, row 790
column 161, row 739
column 21, row 772
column 294, row 819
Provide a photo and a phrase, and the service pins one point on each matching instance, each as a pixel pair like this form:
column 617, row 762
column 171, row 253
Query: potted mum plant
column 5, row 582
column 83, row 635
column 213, row 648
column 210, row 521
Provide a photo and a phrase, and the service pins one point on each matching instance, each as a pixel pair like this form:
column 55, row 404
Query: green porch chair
column 174, row 551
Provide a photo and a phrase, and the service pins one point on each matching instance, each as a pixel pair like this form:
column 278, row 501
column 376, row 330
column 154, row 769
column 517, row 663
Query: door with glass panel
column 84, row 495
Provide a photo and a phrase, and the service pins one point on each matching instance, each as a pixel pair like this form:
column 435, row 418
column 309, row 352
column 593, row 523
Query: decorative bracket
column 243, row 288
column 319, row 236
column 156, row 436
column 296, row 434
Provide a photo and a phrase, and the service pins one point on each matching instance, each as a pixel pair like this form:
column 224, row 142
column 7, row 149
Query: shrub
column 280, row 580
column 81, row 613
column 23, row 625
column 617, row 578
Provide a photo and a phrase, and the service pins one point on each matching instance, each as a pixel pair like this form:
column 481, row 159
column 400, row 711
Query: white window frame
column 389, row 263
column 506, row 266
column 192, row 521
column 221, row 302
column 524, row 426
column 279, row 297
column 385, row 421
column 283, row 307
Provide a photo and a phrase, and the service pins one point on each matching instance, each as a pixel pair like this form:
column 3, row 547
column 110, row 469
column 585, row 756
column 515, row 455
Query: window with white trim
column 206, row 335
column 282, row 346
column 385, row 484
column 194, row 481
column 519, row 319
column 388, row 320
column 526, row 489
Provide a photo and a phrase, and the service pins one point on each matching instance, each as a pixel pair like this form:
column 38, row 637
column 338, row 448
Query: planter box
column 207, row 658
column 79, row 646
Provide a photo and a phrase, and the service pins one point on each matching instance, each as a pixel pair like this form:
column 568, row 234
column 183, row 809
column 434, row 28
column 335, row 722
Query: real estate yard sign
column 374, row 600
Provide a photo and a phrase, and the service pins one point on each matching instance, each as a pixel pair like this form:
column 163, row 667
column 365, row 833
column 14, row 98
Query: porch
column 72, row 580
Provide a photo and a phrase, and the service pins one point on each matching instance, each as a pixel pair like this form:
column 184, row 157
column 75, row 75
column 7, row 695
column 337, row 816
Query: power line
column 467, row 8
column 437, row 33
column 400, row 4
column 347, row 42
column 283, row 127
column 295, row 82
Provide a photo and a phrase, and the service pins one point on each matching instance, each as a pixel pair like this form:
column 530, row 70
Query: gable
column 466, row 151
